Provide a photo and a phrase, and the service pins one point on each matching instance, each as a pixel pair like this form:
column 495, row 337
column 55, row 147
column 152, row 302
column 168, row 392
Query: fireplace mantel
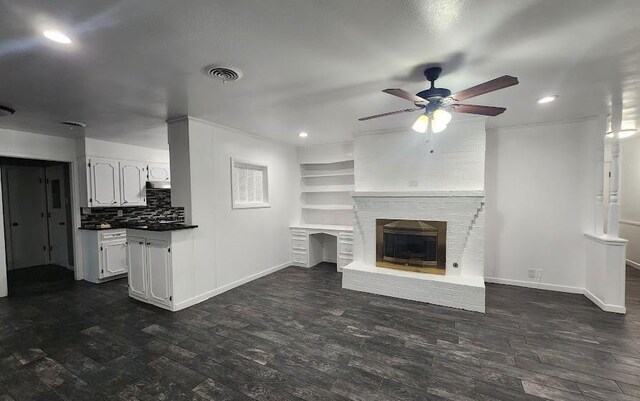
column 418, row 194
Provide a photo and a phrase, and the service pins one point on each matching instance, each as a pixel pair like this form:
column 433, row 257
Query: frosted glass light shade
column 441, row 117
column 421, row 124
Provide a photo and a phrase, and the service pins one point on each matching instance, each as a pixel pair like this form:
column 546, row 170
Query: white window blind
column 249, row 184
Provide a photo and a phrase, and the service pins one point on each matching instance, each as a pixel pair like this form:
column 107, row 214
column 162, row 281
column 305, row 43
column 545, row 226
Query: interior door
column 114, row 258
column 105, row 183
column 133, row 178
column 159, row 267
column 28, row 225
column 57, row 202
column 136, row 260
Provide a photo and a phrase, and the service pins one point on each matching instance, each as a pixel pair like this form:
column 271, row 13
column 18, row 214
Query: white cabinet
column 113, row 258
column 104, row 254
column 133, row 178
column 104, row 182
column 115, row 183
column 150, row 270
column 158, row 172
column 136, row 257
column 307, row 250
column 159, row 268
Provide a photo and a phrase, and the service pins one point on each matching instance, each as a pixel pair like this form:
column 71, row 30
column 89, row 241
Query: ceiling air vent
column 6, row 111
column 223, row 73
column 73, row 124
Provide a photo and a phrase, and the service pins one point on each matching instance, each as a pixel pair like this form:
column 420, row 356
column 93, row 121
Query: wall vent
column 223, row 73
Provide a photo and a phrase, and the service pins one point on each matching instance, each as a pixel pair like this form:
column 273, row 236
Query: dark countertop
column 144, row 227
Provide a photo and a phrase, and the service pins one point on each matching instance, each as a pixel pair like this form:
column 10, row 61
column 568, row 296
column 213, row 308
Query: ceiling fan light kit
column 436, row 102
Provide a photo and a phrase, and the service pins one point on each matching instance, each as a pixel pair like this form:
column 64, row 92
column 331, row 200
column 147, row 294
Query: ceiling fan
column 437, row 102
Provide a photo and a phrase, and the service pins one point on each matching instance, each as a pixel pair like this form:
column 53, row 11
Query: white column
column 613, row 226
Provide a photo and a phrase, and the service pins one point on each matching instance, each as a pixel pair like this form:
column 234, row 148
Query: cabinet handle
column 124, row 202
column 141, row 243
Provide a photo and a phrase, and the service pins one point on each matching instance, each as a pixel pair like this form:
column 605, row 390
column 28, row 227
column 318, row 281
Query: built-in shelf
column 328, row 207
column 327, row 188
column 326, row 174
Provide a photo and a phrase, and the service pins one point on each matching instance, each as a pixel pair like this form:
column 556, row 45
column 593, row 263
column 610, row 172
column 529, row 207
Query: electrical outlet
column 532, row 273
column 120, row 213
column 413, row 183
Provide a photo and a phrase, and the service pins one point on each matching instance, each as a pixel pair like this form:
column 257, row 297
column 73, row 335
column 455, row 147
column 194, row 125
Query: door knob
column 14, row 224
column 62, row 223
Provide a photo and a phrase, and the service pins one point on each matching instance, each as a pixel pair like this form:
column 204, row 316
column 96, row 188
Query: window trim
column 265, row 184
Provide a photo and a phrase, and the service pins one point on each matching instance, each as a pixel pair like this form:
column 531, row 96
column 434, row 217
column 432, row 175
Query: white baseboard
column 536, row 285
column 203, row 297
column 560, row 288
column 602, row 305
column 633, row 264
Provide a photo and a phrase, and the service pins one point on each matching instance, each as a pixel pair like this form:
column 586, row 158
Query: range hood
column 158, row 184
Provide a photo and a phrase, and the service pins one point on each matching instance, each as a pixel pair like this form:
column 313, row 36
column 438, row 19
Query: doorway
column 37, row 223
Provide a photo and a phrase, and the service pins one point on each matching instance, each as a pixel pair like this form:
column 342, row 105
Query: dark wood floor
column 297, row 335
column 45, row 279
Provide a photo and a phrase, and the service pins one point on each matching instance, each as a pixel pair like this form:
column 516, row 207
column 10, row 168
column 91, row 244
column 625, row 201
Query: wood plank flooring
column 297, row 335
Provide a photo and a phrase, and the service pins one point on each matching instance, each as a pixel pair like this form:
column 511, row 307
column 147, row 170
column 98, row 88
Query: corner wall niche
column 325, row 232
column 326, row 192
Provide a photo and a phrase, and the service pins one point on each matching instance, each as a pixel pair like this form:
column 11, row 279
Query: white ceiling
column 312, row 65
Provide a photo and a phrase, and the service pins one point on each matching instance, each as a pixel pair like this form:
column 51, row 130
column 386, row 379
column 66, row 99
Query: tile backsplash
column 158, row 208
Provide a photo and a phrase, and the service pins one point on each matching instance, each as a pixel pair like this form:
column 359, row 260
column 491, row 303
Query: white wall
column 630, row 198
column 113, row 150
column 403, row 161
column 232, row 246
column 540, row 195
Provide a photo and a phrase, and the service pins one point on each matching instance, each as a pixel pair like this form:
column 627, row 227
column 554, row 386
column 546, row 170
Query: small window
column 249, row 184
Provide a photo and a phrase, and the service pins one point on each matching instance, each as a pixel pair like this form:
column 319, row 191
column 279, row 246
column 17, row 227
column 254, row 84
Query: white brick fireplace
column 444, row 185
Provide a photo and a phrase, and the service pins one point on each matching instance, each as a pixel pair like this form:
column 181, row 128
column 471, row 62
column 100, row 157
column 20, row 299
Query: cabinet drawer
column 110, row 235
column 299, row 233
column 346, row 248
column 346, row 237
column 299, row 243
column 343, row 261
column 299, row 257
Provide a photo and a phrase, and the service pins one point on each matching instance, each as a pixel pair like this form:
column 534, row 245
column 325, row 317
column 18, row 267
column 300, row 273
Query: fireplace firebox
column 414, row 245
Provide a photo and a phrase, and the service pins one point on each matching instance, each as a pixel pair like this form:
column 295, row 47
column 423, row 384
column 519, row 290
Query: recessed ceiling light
column 547, row 99
column 303, row 135
column 57, row 37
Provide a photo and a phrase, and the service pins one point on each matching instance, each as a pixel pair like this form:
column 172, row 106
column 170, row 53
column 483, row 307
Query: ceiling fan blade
column 389, row 114
column 504, row 81
column 405, row 95
column 475, row 109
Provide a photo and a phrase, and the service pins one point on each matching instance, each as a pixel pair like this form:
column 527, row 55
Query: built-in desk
column 308, row 251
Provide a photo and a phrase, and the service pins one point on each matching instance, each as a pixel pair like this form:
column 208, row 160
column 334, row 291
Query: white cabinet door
column 105, row 182
column 137, row 261
column 159, row 267
column 113, row 258
column 159, row 172
column 133, row 178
